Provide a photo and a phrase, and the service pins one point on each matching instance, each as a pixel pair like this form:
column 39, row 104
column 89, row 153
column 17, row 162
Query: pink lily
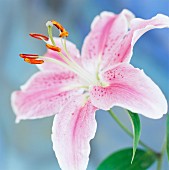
column 72, row 87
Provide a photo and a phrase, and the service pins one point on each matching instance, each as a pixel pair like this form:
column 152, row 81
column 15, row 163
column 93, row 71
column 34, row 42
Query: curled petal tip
column 39, row 36
column 54, row 48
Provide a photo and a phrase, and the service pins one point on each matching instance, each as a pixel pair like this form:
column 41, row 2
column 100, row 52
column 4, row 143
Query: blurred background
column 27, row 145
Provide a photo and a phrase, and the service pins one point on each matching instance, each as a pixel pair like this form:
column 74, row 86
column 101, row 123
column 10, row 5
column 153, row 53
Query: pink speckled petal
column 44, row 94
column 73, row 128
column 73, row 51
column 107, row 30
column 138, row 28
column 132, row 89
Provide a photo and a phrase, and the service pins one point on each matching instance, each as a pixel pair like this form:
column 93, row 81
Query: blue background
column 28, row 146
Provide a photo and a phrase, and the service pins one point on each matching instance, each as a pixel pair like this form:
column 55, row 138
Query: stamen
column 54, row 48
column 33, row 61
column 39, row 36
column 68, row 62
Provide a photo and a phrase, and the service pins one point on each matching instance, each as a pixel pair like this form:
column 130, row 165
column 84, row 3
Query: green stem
column 128, row 131
column 160, row 158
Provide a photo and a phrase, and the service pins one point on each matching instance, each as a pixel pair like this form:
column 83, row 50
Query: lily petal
column 107, row 31
column 44, row 94
column 137, row 28
column 72, row 50
column 132, row 89
column 73, row 128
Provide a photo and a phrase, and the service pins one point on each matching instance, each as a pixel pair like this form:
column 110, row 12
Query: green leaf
column 135, row 120
column 121, row 160
column 167, row 130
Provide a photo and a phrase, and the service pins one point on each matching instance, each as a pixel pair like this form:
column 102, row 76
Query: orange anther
column 54, row 48
column 63, row 31
column 31, row 58
column 33, row 61
column 39, row 36
column 58, row 25
column 28, row 56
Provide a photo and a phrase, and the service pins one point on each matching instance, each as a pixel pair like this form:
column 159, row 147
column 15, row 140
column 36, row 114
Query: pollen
column 39, row 36
column 54, row 48
column 27, row 60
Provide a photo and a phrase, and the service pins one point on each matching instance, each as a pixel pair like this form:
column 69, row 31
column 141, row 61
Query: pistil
column 49, row 25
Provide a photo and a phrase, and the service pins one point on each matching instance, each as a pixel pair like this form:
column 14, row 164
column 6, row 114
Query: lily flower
column 73, row 88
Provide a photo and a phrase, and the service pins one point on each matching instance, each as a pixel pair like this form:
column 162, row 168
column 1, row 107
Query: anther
column 54, row 48
column 33, row 61
column 58, row 25
column 31, row 58
column 34, row 56
column 39, row 36
column 63, row 31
